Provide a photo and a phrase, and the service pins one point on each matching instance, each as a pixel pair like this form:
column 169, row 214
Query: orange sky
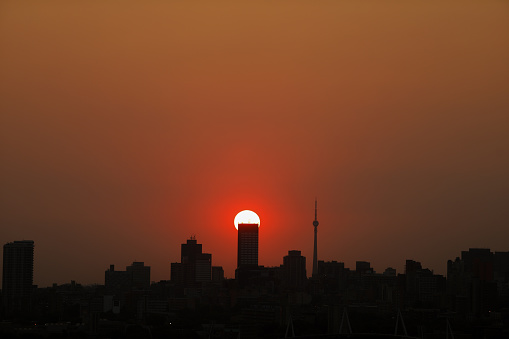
column 127, row 127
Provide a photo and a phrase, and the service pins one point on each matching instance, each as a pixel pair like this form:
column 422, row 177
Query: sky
column 127, row 127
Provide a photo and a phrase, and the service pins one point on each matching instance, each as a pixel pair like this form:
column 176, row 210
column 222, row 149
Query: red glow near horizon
column 169, row 125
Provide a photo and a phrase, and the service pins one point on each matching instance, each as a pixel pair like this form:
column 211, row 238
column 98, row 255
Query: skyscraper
column 247, row 250
column 18, row 275
column 315, row 249
column 294, row 271
column 194, row 268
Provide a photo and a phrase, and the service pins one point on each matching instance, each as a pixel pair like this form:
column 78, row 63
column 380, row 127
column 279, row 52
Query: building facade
column 18, row 276
column 247, row 250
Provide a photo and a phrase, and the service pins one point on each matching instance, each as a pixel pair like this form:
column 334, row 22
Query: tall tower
column 247, row 251
column 315, row 250
column 17, row 279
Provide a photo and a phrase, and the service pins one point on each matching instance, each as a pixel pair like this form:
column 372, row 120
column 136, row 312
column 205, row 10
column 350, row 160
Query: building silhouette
column 217, row 273
column 195, row 267
column 478, row 282
column 116, row 281
column 124, row 290
column 363, row 267
column 248, row 272
column 247, row 246
column 135, row 277
column 140, row 275
column 423, row 288
column 17, row 279
column 294, row 271
column 263, row 301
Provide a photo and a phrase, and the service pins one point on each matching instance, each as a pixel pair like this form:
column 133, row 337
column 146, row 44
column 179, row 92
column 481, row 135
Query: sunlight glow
column 246, row 217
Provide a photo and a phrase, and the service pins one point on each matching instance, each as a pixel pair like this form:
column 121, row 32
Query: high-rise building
column 217, row 273
column 194, row 268
column 294, row 271
column 140, row 275
column 422, row 286
column 18, row 274
column 203, row 271
column 126, row 289
column 412, row 266
column 315, row 248
column 363, row 267
column 478, row 281
column 116, row 282
column 333, row 277
column 247, row 250
column 135, row 277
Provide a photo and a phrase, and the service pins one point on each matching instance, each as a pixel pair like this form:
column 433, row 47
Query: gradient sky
column 126, row 127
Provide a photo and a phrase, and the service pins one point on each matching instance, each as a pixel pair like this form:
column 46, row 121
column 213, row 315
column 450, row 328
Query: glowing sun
column 246, row 217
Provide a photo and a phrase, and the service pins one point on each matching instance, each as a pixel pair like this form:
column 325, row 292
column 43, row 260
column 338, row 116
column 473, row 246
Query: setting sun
column 246, row 217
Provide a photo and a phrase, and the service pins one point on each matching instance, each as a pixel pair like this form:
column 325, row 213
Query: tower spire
column 315, row 249
column 316, row 208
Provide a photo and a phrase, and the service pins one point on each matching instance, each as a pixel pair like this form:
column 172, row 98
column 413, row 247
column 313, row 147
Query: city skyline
column 125, row 129
column 192, row 249
column 261, row 300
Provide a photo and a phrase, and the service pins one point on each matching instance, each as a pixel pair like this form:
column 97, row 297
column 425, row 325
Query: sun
column 246, row 217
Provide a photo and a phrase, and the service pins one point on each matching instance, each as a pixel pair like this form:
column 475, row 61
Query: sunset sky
column 128, row 126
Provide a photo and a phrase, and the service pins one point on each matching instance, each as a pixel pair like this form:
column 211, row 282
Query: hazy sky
column 126, row 127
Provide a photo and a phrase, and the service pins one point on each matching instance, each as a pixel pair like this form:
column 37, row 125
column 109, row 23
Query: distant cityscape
column 261, row 302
